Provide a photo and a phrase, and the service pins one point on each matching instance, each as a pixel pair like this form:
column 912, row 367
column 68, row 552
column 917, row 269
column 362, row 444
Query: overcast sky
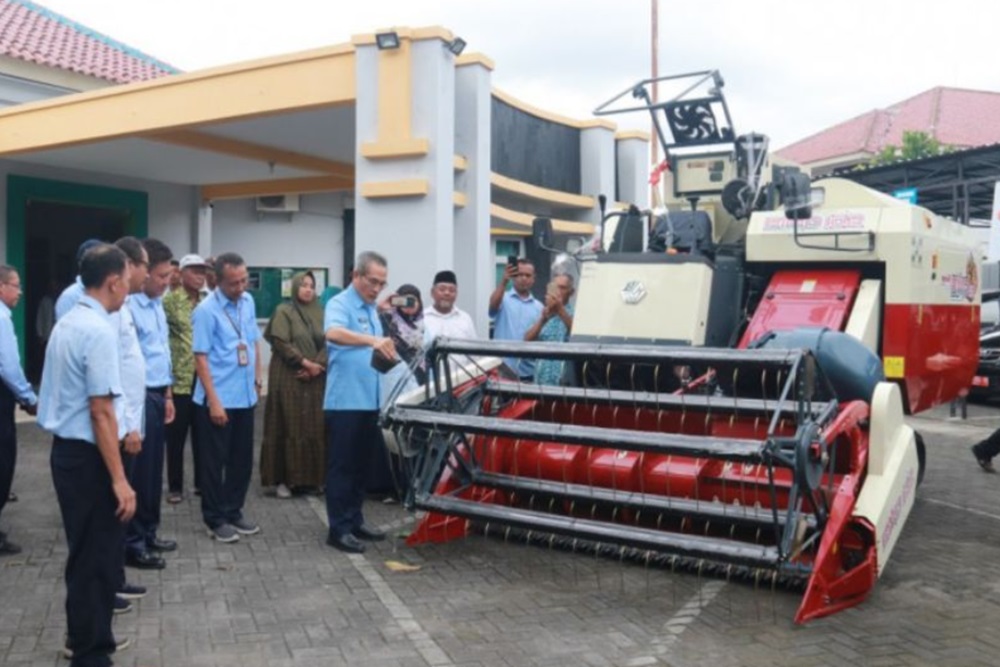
column 792, row 67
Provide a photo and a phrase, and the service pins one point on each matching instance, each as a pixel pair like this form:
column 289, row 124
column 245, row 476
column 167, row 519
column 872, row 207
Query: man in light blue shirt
column 69, row 296
column 353, row 334
column 81, row 382
column 146, row 308
column 14, row 391
column 228, row 366
column 516, row 310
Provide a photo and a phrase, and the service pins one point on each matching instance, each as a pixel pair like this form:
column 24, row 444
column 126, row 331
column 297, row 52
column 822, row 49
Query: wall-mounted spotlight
column 456, row 46
column 387, row 40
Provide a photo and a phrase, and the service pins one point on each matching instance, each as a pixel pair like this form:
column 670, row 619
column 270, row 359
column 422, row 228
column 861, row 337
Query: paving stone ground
column 283, row 598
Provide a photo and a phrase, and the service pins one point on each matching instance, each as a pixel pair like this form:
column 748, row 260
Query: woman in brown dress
column 292, row 455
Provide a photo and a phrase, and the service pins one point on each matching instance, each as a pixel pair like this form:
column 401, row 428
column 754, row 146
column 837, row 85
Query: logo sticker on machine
column 633, row 292
column 841, row 221
column 963, row 286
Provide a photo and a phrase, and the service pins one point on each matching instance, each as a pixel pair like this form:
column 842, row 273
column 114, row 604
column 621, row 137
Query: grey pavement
column 283, row 598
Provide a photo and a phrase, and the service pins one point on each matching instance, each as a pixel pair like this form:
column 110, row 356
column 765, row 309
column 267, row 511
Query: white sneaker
column 120, row 645
column 283, row 492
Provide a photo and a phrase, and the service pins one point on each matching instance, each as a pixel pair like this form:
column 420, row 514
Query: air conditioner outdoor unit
column 278, row 204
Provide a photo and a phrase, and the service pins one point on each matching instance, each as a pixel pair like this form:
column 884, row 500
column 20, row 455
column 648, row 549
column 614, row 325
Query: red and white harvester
column 735, row 382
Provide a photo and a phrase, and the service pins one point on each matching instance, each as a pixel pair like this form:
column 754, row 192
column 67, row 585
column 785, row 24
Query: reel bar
column 700, row 509
column 620, row 353
column 690, row 546
column 644, row 399
column 703, row 446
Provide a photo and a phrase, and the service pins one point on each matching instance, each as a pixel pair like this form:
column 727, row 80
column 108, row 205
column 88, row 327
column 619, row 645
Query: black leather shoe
column 156, row 544
column 347, row 543
column 366, row 532
column 144, row 560
column 984, row 463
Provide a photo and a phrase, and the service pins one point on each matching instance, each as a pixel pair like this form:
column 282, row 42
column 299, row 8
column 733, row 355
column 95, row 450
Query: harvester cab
column 737, row 374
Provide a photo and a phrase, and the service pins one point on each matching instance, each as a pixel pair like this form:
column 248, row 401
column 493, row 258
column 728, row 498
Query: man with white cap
column 178, row 305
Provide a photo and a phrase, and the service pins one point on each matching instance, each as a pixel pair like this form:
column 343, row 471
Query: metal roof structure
column 958, row 184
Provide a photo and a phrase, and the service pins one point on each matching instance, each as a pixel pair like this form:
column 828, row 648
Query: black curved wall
column 536, row 151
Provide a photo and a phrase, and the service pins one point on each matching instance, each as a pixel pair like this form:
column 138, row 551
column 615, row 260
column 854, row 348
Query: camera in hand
column 511, row 260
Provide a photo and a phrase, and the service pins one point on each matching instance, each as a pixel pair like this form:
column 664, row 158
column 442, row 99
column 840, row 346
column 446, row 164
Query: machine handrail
column 618, row 352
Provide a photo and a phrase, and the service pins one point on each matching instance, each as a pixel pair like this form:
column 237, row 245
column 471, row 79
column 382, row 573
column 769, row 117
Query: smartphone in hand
column 403, row 301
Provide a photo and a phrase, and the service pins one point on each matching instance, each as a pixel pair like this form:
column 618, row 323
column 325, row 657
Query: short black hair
column 224, row 260
column 84, row 247
column 132, row 247
column 174, row 262
column 100, row 262
column 158, row 251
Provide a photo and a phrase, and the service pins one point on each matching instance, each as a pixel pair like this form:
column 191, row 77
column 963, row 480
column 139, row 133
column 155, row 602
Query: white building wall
column 313, row 236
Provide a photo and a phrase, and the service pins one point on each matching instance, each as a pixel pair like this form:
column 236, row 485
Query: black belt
column 158, row 390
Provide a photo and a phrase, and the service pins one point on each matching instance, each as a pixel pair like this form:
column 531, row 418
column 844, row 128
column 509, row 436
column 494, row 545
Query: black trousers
column 8, row 443
column 989, row 447
column 147, row 476
column 177, row 434
column 94, row 535
column 353, row 438
column 226, row 454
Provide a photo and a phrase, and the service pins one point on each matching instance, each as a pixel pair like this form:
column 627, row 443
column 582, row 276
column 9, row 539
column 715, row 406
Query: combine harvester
column 736, row 380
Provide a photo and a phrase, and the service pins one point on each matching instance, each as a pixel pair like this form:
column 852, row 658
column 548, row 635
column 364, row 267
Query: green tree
column 916, row 145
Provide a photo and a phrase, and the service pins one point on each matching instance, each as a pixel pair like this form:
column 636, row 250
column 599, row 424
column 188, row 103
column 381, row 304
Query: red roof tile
column 35, row 34
column 954, row 116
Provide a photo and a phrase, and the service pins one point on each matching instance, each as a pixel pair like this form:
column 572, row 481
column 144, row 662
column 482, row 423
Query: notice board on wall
column 271, row 285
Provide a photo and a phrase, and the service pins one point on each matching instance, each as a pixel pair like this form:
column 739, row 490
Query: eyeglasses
column 374, row 282
column 16, row 286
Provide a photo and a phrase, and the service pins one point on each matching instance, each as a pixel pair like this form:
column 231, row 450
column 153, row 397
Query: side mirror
column 541, row 232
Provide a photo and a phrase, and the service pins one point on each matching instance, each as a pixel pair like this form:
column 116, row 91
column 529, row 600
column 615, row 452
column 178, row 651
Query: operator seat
column 628, row 232
column 684, row 231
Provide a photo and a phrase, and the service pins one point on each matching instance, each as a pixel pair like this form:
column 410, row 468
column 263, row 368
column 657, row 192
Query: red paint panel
column 813, row 299
column 940, row 348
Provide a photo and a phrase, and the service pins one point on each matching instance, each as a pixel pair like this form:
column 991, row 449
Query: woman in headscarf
column 404, row 323
column 292, row 455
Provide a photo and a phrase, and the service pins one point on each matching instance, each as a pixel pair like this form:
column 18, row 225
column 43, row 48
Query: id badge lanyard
column 242, row 354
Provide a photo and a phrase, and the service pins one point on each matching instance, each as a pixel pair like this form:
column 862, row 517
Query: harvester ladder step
column 707, row 510
column 681, row 544
column 729, row 449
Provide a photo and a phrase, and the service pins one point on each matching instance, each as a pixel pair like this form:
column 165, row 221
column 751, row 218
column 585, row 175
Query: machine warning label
column 894, row 367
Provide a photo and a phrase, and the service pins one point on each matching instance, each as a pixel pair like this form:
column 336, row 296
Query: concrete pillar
column 405, row 157
column 632, row 149
column 597, row 166
column 203, row 233
column 473, row 251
